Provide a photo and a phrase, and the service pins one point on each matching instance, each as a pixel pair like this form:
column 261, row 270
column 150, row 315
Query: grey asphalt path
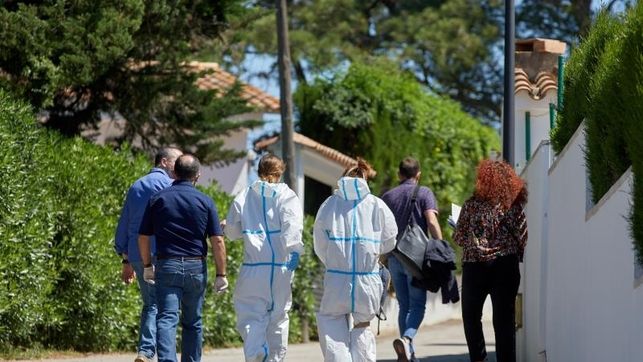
column 443, row 342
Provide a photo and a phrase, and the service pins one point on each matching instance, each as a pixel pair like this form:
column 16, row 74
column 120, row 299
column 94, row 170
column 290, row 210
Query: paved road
column 439, row 343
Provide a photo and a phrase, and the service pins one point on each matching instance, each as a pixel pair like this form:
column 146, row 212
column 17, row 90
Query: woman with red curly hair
column 492, row 230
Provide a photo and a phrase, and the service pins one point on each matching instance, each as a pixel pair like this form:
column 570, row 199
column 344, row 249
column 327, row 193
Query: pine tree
column 77, row 61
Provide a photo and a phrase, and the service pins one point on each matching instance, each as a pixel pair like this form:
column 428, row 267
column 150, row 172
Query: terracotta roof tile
column 327, row 152
column 537, row 66
column 541, row 45
column 543, row 83
column 219, row 79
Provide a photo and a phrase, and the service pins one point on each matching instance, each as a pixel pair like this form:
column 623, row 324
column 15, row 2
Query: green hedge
column 59, row 203
column 377, row 112
column 604, row 86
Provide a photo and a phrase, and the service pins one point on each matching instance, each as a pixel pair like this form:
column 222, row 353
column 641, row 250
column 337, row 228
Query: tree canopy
column 78, row 61
column 453, row 47
column 383, row 115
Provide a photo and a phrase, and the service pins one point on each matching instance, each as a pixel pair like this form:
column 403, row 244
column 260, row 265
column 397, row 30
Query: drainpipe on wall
column 527, row 135
column 561, row 81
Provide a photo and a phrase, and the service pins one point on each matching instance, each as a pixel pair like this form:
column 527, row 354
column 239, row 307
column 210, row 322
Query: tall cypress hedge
column 604, row 86
column 60, row 279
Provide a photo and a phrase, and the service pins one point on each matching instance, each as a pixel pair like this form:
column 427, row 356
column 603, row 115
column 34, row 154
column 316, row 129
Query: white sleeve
column 320, row 239
column 292, row 222
column 233, row 221
column 388, row 227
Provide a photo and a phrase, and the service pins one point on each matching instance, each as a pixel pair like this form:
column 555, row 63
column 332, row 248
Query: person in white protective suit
column 352, row 229
column 269, row 218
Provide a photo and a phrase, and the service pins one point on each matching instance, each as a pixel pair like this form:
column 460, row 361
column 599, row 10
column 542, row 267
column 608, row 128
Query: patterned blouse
column 485, row 232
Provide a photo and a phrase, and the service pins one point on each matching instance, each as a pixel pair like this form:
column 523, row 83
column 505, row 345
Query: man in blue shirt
column 126, row 243
column 181, row 218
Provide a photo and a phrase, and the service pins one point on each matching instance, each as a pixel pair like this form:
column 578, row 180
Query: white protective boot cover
column 334, row 337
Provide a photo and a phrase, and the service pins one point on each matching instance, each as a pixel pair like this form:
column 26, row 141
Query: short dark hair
column 409, row 167
column 165, row 152
column 186, row 167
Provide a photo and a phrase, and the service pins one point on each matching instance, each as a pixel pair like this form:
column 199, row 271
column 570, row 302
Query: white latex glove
column 221, row 285
column 148, row 274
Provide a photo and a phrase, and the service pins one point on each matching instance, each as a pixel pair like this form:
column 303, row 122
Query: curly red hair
column 498, row 183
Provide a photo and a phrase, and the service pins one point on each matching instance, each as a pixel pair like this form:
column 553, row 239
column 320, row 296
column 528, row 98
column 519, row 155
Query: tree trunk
column 285, row 101
column 582, row 12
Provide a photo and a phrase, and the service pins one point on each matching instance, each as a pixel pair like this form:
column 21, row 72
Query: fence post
column 305, row 329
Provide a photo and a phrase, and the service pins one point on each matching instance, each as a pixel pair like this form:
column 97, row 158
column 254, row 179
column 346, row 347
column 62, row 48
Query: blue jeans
column 147, row 329
column 180, row 284
column 412, row 300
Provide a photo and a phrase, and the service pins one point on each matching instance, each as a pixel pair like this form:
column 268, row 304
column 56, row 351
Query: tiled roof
column 543, row 83
column 327, row 152
column 537, row 66
column 219, row 79
column 541, row 45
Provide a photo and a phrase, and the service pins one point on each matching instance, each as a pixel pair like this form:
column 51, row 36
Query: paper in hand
column 455, row 215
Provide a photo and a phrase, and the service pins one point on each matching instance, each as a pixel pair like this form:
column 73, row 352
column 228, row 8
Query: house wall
column 582, row 300
column 234, row 177
column 540, row 124
column 534, row 268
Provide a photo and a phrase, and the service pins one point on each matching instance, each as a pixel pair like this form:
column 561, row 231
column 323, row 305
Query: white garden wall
column 581, row 299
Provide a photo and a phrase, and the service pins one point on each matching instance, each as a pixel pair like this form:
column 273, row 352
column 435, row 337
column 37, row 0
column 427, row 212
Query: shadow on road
column 491, row 357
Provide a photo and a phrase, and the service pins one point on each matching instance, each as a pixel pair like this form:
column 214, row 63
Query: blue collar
column 160, row 170
column 182, row 183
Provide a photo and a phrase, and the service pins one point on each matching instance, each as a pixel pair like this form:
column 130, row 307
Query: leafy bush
column 60, row 199
column 27, row 215
column 383, row 115
column 610, row 64
column 59, row 203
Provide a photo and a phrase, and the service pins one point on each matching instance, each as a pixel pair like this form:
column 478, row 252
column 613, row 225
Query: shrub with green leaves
column 383, row 115
column 60, row 199
column 604, row 86
column 27, row 216
column 59, row 204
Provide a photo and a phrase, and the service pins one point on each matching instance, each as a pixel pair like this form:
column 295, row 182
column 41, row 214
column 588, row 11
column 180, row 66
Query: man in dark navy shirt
column 181, row 218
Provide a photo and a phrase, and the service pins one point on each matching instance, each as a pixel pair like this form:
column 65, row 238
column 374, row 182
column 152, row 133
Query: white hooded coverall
column 352, row 229
column 269, row 218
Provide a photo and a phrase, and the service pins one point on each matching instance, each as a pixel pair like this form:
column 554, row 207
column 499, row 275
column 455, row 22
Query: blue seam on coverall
column 350, row 239
column 272, row 251
column 354, row 252
column 265, row 350
column 260, row 231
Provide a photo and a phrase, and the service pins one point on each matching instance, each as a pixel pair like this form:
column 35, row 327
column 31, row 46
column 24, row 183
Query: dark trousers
column 499, row 278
